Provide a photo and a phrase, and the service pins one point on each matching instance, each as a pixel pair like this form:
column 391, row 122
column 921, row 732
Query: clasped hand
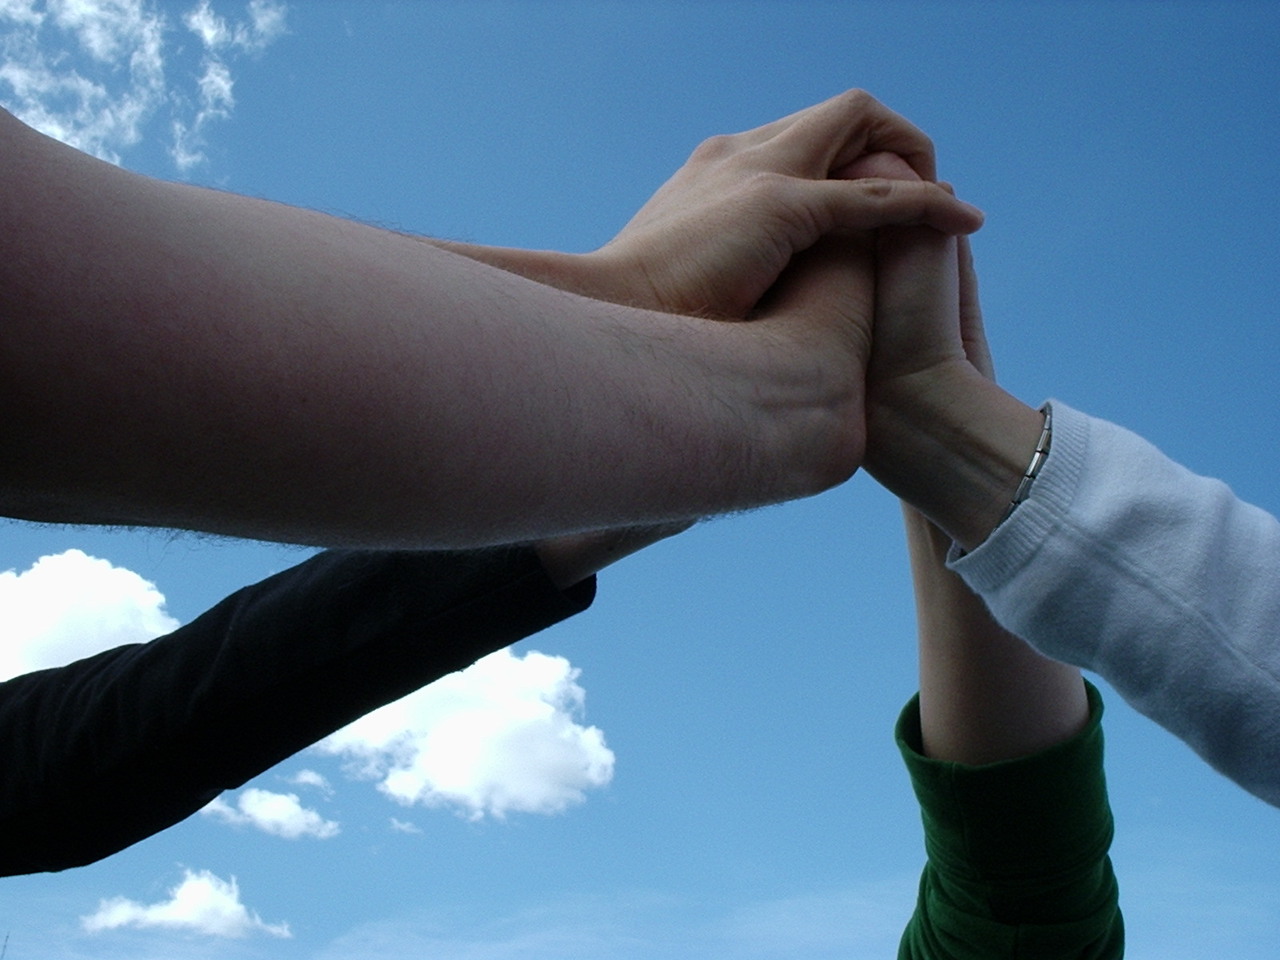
column 779, row 226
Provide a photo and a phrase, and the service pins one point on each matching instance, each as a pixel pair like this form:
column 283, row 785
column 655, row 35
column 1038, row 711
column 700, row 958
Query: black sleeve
column 108, row 750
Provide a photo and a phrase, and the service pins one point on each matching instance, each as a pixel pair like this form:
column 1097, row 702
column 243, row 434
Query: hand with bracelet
column 792, row 184
column 1118, row 560
column 941, row 435
column 1002, row 744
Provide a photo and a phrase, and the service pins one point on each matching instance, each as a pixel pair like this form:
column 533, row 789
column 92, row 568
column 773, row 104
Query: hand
column 571, row 559
column 719, row 233
column 799, row 365
column 941, row 434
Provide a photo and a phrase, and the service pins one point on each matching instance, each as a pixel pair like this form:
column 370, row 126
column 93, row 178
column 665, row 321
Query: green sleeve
column 1017, row 853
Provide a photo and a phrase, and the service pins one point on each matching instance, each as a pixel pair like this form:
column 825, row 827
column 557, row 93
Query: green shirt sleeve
column 1017, row 853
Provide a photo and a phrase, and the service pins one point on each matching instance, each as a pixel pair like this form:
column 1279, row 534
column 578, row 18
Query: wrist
column 571, row 559
column 577, row 273
column 598, row 275
column 954, row 445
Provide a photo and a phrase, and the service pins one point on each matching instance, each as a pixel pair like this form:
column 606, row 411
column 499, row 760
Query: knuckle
column 791, row 213
column 763, row 185
column 715, row 148
column 857, row 100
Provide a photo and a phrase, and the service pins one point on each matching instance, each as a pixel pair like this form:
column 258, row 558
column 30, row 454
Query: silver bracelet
column 1033, row 468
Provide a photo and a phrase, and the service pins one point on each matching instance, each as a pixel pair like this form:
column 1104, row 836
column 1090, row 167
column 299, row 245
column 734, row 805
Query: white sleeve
column 1161, row 581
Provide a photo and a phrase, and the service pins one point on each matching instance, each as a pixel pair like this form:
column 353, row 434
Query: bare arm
column 181, row 357
column 985, row 695
column 927, row 404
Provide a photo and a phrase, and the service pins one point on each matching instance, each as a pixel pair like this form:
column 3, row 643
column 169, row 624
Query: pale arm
column 985, row 695
column 1004, row 747
column 1122, row 562
column 182, row 357
column 942, row 434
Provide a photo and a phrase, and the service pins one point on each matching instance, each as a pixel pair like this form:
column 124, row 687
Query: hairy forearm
column 181, row 357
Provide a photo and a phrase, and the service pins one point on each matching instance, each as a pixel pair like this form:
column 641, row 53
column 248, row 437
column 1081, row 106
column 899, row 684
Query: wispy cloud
column 266, row 23
column 94, row 73
column 202, row 903
column 499, row 737
column 222, row 40
column 620, row 926
column 71, row 605
column 310, row 778
column 279, row 814
column 865, row 920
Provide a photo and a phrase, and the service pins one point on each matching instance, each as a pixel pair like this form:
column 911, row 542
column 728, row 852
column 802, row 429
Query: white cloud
column 21, row 12
column 279, row 814
column 403, row 826
column 93, row 73
column 201, row 903
column 266, row 23
column 88, row 73
column 498, row 737
column 70, row 606
column 310, row 778
column 268, row 18
column 108, row 30
column 215, row 87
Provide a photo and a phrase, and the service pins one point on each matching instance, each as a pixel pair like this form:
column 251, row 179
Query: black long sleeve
column 111, row 749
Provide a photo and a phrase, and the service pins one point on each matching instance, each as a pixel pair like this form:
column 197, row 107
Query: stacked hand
column 780, row 225
column 262, row 341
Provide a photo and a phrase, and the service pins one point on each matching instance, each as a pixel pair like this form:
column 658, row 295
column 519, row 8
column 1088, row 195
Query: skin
column 942, row 435
column 193, row 359
column 985, row 696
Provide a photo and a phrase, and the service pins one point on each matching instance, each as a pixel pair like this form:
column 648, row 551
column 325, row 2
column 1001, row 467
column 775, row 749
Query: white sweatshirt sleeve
column 1161, row 581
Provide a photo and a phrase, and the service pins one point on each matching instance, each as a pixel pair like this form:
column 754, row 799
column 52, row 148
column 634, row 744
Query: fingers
column 834, row 133
column 917, row 271
column 832, row 278
column 818, row 140
column 972, row 332
column 886, row 166
column 867, row 204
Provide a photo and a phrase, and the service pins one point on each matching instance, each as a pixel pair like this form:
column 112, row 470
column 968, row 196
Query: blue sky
column 730, row 788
